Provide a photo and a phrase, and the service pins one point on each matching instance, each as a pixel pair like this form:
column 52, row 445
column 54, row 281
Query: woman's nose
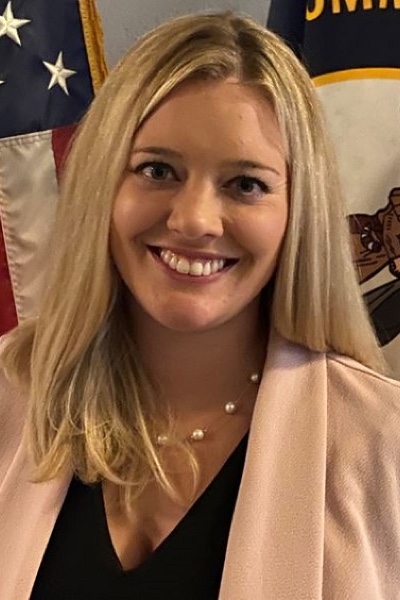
column 196, row 212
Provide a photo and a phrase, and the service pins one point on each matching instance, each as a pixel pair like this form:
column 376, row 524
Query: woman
column 200, row 235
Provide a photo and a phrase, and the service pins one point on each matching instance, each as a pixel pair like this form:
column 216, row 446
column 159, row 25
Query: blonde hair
column 92, row 405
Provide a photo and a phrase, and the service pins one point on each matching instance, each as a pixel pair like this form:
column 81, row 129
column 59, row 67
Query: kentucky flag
column 352, row 50
column 51, row 63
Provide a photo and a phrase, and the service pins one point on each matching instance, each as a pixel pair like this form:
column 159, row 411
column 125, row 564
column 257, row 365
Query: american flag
column 51, row 63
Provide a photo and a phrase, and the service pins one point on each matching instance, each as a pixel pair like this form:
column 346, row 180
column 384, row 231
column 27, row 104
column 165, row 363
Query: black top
column 80, row 562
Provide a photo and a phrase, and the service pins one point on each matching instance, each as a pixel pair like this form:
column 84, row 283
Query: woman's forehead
column 210, row 114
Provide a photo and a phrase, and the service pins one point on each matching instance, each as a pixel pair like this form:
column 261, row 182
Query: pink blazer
column 318, row 511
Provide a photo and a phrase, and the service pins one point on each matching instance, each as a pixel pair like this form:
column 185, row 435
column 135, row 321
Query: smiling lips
column 196, row 267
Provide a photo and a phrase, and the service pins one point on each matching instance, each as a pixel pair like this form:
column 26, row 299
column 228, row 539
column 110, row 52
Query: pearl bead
column 162, row 440
column 230, row 408
column 198, row 435
column 255, row 377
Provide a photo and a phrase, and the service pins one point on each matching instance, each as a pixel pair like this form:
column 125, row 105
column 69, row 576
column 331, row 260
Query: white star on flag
column 1, row 81
column 59, row 74
column 9, row 25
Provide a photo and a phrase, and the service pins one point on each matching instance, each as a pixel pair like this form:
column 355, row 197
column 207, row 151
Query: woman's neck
column 199, row 371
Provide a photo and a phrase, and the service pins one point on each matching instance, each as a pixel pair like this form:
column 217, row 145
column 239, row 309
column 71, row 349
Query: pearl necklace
column 199, row 433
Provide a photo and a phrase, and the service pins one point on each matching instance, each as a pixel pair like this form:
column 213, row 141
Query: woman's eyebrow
column 157, row 150
column 249, row 164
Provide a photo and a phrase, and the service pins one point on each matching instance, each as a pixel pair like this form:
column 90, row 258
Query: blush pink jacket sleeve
column 318, row 511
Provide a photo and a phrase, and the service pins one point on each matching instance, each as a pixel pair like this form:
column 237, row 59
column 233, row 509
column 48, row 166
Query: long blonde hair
column 92, row 406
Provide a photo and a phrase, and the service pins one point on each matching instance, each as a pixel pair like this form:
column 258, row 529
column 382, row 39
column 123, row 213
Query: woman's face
column 200, row 216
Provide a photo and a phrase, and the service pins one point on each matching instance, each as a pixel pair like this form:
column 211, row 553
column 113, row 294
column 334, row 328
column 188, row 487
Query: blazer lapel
column 28, row 512
column 275, row 548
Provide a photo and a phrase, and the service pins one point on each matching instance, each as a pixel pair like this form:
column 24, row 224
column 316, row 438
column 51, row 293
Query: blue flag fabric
column 351, row 50
column 340, row 34
column 33, row 37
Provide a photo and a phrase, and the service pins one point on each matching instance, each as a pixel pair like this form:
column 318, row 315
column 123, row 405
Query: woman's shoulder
column 362, row 491
column 358, row 386
column 363, row 416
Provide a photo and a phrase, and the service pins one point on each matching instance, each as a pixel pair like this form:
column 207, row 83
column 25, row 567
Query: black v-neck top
column 80, row 562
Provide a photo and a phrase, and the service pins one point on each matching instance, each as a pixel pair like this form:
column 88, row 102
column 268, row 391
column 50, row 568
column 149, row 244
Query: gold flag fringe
column 93, row 34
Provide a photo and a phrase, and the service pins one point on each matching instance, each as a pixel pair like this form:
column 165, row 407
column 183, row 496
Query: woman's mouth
column 196, row 267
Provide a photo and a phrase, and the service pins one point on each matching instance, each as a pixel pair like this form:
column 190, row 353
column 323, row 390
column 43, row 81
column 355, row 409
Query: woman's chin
column 188, row 322
column 188, row 317
column 191, row 315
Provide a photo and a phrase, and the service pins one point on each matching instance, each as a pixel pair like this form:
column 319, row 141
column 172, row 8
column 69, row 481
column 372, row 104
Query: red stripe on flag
column 60, row 141
column 8, row 314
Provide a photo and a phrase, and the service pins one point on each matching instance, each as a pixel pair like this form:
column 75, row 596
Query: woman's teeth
column 196, row 267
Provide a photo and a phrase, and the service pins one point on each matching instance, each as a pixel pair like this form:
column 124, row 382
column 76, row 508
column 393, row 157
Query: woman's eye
column 155, row 170
column 249, row 186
